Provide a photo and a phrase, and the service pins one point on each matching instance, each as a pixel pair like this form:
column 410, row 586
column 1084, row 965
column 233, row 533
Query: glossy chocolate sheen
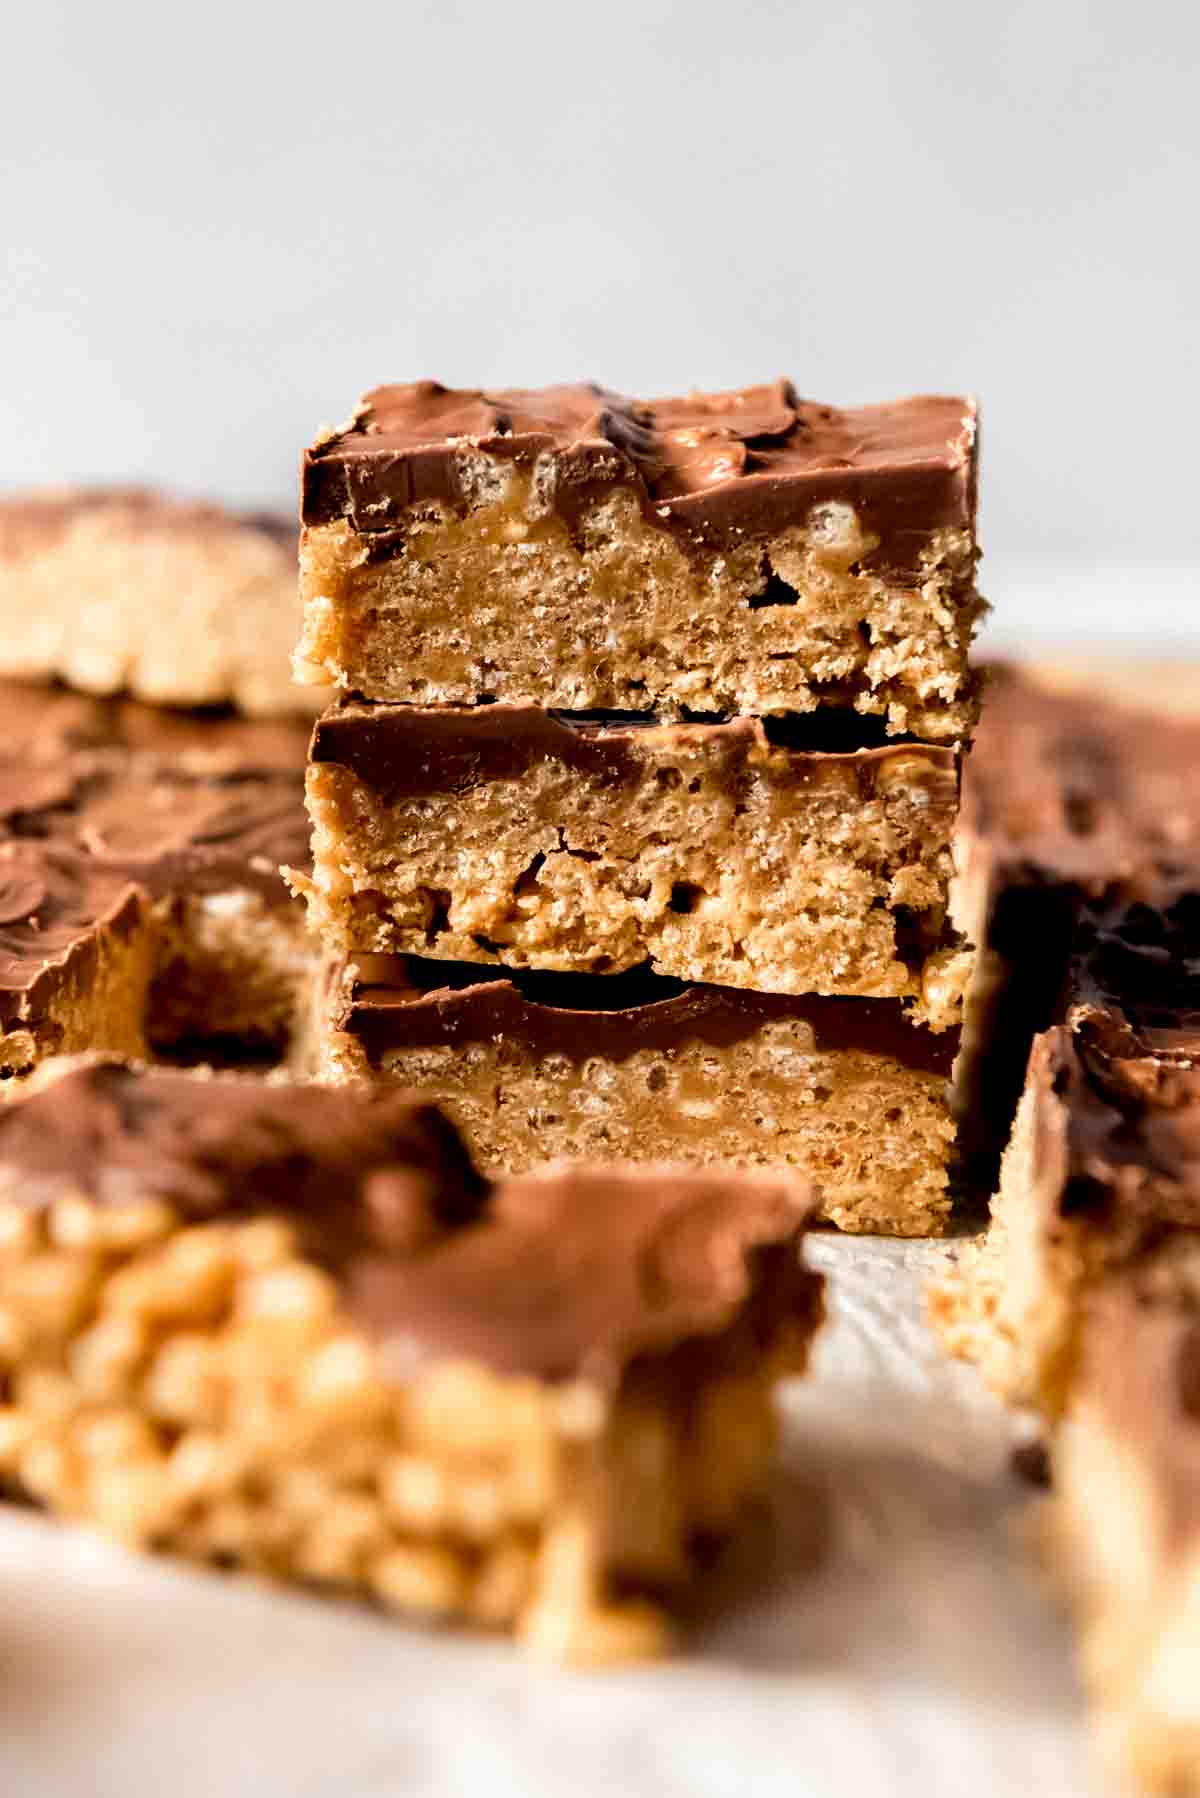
column 714, row 468
column 415, row 751
column 392, row 1004
column 53, row 905
column 556, row 1276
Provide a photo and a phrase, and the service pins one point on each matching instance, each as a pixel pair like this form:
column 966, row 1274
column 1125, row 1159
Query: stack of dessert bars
column 632, row 824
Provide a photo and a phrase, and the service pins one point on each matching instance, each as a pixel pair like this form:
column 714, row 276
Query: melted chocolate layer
column 54, row 904
column 107, row 804
column 390, row 1005
column 714, row 468
column 413, row 751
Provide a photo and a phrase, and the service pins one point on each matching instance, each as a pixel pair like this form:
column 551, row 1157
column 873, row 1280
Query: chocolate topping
column 389, row 1005
column 52, row 902
column 168, row 799
column 1123, row 1133
column 414, row 751
column 52, row 725
column 717, row 468
column 580, row 1272
column 115, row 803
column 556, row 1276
column 172, row 833
column 1071, row 788
column 222, row 1145
column 1133, row 987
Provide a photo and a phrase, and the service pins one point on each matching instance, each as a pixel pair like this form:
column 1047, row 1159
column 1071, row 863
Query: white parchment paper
column 905, row 1648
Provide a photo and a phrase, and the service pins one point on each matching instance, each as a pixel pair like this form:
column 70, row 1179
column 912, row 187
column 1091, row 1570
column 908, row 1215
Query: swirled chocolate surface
column 716, row 468
column 106, row 805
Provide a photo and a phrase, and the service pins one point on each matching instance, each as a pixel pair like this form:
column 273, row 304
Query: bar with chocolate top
column 1105, row 1151
column 291, row 1329
column 1068, row 799
column 533, row 1066
column 125, row 590
column 726, row 853
column 139, row 879
column 746, row 552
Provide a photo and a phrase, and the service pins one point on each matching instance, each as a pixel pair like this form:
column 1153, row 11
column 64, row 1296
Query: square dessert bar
column 141, row 903
column 291, row 1329
column 745, row 552
column 726, row 853
column 127, row 590
column 1123, row 1533
column 1066, row 799
column 533, row 1066
column 1104, row 1158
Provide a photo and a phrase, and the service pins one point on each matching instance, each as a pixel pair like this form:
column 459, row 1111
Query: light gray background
column 223, row 222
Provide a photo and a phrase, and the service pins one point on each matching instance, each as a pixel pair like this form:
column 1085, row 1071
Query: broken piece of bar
column 127, row 590
column 746, row 552
column 533, row 1066
column 1123, row 1532
column 725, row 853
column 139, row 865
column 1105, row 1151
column 290, row 1329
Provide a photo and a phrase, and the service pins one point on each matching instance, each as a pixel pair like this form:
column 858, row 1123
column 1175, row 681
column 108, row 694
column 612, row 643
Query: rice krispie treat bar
column 533, row 1066
column 745, row 552
column 727, row 853
column 139, row 864
column 290, row 1329
column 127, row 590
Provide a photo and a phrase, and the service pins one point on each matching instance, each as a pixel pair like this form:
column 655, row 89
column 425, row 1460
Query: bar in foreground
column 291, row 1329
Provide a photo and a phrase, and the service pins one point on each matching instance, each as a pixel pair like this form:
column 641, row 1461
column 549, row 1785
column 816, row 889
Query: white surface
column 1088, row 606
column 221, row 224
column 917, row 1658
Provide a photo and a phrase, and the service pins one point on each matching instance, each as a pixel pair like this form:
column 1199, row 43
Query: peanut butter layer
column 127, row 590
column 745, row 552
column 534, row 1066
column 141, row 855
column 713, row 852
column 291, row 1329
